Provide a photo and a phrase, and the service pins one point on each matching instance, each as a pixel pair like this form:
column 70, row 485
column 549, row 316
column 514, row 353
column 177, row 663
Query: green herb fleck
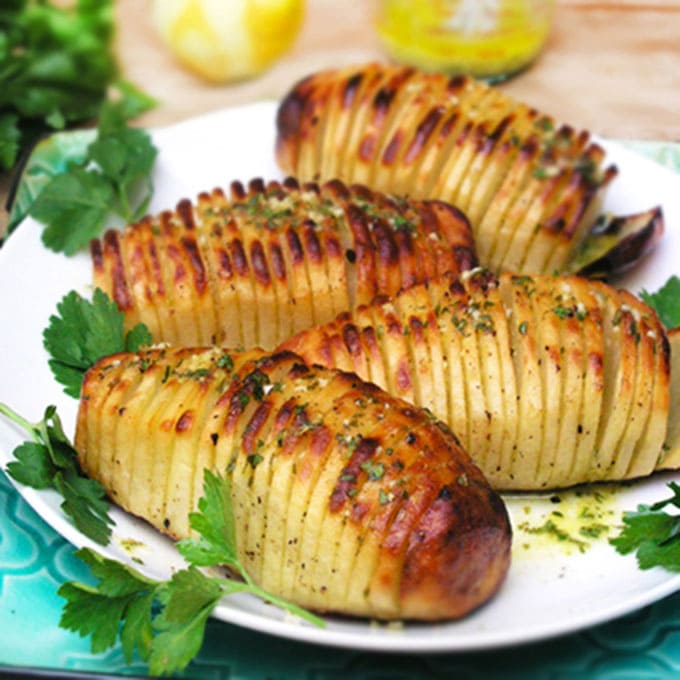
column 254, row 460
column 375, row 471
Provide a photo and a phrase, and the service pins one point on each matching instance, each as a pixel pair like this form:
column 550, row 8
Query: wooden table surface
column 611, row 66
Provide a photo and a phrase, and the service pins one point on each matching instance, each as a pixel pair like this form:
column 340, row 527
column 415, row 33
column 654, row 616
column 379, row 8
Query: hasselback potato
column 531, row 189
column 255, row 267
column 548, row 381
column 345, row 498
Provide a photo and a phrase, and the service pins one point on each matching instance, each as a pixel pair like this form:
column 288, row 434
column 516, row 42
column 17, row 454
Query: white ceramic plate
column 552, row 588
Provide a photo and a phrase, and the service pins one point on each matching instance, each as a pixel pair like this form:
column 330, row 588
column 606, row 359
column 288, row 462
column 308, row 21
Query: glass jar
column 489, row 39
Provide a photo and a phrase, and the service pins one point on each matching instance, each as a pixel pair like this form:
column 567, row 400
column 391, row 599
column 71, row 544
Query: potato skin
column 252, row 268
column 531, row 189
column 346, row 499
column 548, row 381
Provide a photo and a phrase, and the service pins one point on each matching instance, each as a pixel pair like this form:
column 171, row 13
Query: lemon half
column 223, row 40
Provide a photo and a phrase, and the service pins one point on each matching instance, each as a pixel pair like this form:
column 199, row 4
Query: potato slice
column 404, row 107
column 620, row 376
column 339, row 113
column 670, row 454
column 496, row 227
column 572, row 313
column 412, row 313
column 645, row 456
column 588, row 313
column 485, row 314
column 641, row 401
column 414, row 129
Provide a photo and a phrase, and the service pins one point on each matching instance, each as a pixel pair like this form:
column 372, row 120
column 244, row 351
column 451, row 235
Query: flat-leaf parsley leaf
column 114, row 177
column 165, row 620
column 666, row 302
column 82, row 332
column 654, row 535
column 50, row 462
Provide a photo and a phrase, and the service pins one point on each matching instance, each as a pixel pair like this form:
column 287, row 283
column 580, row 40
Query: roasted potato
column 346, row 499
column 531, row 189
column 252, row 269
column 548, row 381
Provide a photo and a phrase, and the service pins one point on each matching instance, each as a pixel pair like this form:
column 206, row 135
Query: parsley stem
column 231, row 587
column 126, row 210
column 31, row 428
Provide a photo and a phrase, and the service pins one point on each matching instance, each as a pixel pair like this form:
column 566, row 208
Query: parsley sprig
column 49, row 461
column 666, row 302
column 653, row 534
column 84, row 331
column 57, row 61
column 164, row 621
column 114, row 177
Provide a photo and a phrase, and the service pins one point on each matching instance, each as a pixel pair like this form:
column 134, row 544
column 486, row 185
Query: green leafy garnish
column 654, row 535
column 49, row 461
column 83, row 332
column 112, row 178
column 666, row 302
column 56, row 64
column 164, row 621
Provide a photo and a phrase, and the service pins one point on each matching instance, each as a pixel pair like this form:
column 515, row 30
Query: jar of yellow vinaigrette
column 489, row 39
column 223, row 40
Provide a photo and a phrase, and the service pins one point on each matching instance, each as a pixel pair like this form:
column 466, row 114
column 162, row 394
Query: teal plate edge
column 35, row 561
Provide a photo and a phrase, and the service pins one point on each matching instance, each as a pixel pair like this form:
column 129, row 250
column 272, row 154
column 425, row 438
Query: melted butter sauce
column 569, row 521
column 132, row 547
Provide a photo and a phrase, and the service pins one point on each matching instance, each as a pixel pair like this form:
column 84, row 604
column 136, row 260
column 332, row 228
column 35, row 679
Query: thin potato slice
column 645, row 456
column 572, row 313
column 486, row 313
column 670, row 453
column 620, row 377
column 587, row 310
column 337, row 120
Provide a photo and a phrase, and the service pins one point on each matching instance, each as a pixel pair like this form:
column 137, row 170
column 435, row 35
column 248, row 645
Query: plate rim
column 399, row 643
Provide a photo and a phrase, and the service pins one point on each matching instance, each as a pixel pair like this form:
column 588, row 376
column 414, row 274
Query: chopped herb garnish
column 254, row 460
column 225, row 362
column 375, row 471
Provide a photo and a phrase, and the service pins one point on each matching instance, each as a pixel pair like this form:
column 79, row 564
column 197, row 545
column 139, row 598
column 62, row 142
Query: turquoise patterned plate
column 554, row 588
